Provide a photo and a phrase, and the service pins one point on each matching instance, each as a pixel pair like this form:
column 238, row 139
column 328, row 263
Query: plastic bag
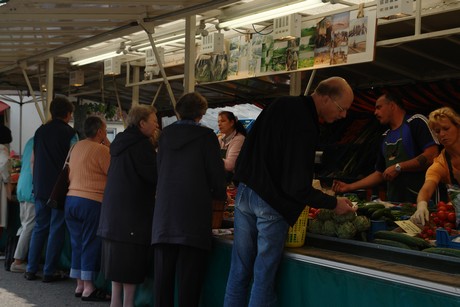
column 454, row 194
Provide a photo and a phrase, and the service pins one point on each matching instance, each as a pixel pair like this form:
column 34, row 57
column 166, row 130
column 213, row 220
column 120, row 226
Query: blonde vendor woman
column 445, row 123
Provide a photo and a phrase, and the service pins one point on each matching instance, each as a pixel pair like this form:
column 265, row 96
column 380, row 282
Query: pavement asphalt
column 16, row 291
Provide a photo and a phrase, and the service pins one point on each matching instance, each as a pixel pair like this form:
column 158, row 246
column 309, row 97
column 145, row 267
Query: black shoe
column 55, row 277
column 30, row 276
column 98, row 295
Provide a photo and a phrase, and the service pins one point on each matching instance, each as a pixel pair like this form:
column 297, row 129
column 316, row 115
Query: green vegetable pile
column 344, row 226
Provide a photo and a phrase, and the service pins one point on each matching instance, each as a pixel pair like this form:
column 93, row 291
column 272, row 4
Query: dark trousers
column 188, row 265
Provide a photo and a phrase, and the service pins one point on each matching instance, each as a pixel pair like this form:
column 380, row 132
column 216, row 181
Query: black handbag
column 61, row 187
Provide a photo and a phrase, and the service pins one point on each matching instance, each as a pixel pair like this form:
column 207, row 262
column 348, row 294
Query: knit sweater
column 89, row 163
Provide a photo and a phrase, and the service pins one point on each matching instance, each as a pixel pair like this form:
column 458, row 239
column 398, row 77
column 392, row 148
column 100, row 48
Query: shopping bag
column 60, row 189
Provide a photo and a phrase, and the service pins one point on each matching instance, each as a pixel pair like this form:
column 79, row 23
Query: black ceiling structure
column 412, row 59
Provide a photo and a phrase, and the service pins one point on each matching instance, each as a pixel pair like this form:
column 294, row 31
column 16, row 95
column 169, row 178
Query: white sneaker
column 18, row 268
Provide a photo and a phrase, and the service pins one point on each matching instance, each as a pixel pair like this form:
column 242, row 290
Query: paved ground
column 16, row 291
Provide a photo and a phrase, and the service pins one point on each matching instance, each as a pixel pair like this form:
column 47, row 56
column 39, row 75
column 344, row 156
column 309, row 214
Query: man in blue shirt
column 407, row 150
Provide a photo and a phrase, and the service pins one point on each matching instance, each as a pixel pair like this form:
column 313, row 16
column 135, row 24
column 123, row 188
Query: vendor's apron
column 405, row 187
column 451, row 171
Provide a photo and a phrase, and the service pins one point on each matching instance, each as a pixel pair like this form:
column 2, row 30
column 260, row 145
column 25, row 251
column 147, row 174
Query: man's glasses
column 338, row 105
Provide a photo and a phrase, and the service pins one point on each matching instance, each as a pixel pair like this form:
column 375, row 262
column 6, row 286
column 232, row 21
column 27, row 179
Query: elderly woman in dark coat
column 127, row 208
column 190, row 175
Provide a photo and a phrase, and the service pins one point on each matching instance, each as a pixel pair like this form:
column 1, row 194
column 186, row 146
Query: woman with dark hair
column 127, row 209
column 231, row 139
column 190, row 175
column 88, row 164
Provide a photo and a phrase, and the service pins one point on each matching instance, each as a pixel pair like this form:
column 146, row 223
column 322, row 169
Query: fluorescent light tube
column 163, row 42
column 271, row 14
column 96, row 58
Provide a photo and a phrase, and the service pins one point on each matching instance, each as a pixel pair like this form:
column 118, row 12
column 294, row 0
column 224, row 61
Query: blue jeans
column 258, row 245
column 82, row 218
column 49, row 224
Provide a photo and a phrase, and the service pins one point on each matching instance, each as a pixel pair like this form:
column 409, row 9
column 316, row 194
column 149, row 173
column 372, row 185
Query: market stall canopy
column 31, row 32
column 3, row 107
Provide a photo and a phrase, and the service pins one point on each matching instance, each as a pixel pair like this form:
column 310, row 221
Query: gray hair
column 92, row 125
column 138, row 113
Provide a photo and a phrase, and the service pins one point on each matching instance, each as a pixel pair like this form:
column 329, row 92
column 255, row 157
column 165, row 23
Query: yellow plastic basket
column 296, row 234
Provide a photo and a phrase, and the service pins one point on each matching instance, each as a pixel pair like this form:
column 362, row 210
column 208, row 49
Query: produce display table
column 315, row 275
column 310, row 276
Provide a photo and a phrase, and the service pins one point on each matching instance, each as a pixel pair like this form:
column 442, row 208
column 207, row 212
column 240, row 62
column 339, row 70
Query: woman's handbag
column 61, row 187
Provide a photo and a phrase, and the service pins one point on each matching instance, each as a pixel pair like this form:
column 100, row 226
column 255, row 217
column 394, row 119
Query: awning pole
column 118, row 101
column 40, row 113
column 156, row 94
column 159, row 62
column 310, row 81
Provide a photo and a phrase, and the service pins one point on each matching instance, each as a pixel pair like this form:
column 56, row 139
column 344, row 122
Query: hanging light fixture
column 95, row 58
column 270, row 14
column 77, row 78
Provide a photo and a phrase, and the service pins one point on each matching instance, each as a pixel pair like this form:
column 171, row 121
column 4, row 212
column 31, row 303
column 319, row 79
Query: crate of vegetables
column 443, row 239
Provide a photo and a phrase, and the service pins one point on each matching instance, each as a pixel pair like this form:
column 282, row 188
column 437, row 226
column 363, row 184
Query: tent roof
column 3, row 106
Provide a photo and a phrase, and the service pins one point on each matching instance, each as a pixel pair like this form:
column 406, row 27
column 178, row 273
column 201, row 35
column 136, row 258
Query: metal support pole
column 310, row 81
column 156, row 94
column 295, row 83
column 190, row 54
column 40, row 113
column 160, row 64
column 118, row 101
column 418, row 17
column 136, row 78
column 49, row 86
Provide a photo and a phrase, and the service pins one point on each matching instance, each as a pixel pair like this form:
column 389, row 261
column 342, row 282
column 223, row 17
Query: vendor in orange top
column 445, row 123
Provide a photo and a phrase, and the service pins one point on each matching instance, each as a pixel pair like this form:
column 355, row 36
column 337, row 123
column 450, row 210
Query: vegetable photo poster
column 238, row 52
column 340, row 39
column 211, row 67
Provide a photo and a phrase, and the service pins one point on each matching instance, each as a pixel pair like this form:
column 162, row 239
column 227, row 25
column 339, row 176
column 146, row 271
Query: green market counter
column 311, row 276
column 329, row 272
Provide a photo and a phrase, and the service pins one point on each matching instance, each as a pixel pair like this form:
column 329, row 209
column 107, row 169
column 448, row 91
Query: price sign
column 409, row 227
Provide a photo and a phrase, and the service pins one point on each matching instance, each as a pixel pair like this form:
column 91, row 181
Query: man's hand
column 390, row 173
column 344, row 205
column 340, row 187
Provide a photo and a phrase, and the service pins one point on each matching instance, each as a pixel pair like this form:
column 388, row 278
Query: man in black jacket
column 52, row 142
column 275, row 171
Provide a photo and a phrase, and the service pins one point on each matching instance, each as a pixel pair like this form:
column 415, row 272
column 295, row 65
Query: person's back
column 52, row 142
column 270, row 171
column 25, row 196
column 24, row 189
column 190, row 175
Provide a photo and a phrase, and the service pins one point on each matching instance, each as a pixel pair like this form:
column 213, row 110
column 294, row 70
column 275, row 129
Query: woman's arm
column 422, row 214
column 233, row 151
